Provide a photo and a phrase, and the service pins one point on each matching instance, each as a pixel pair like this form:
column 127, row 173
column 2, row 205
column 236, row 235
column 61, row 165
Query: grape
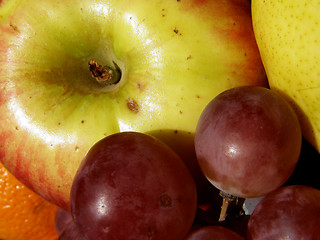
column 213, row 232
column 248, row 141
column 291, row 212
column 65, row 226
column 70, row 232
column 133, row 186
column 63, row 218
column 183, row 144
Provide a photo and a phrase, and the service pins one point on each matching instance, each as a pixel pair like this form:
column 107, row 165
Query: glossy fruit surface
column 174, row 56
column 248, row 141
column 183, row 144
column 23, row 214
column 287, row 35
column 290, row 212
column 132, row 186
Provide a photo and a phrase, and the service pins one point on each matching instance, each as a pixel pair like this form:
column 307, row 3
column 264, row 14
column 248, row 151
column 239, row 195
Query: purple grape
column 63, row 218
column 70, row 232
column 132, row 186
column 213, row 232
column 248, row 141
column 291, row 212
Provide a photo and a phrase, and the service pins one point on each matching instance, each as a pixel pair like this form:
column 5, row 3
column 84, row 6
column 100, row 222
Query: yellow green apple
column 75, row 71
column 288, row 37
column 7, row 7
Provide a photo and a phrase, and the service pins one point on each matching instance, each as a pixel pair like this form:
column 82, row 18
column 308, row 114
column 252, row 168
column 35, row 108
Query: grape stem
column 105, row 75
column 226, row 200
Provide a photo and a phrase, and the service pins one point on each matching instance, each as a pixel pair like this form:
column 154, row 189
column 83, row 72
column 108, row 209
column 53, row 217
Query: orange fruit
column 24, row 215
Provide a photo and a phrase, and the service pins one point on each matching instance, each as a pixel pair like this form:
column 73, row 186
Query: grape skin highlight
column 248, row 141
column 132, row 186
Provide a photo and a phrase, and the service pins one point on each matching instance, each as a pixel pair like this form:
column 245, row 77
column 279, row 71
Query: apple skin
column 175, row 56
column 7, row 7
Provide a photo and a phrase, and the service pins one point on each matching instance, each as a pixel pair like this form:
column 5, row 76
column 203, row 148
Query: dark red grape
column 248, row 141
column 213, row 232
column 133, row 186
column 291, row 212
column 70, row 232
column 183, row 144
column 63, row 218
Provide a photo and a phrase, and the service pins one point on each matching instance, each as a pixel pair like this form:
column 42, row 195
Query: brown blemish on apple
column 76, row 148
column 163, row 14
column 140, row 86
column 197, row 96
column 180, row 112
column 176, row 31
column 165, row 201
column 189, row 57
column 14, row 27
column 132, row 105
column 17, row 128
column 82, row 121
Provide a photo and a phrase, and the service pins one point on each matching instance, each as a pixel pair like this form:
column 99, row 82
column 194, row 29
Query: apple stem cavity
column 226, row 200
column 105, row 75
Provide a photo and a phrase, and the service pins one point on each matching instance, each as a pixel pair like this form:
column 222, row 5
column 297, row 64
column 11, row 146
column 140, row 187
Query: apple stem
column 105, row 75
column 226, row 199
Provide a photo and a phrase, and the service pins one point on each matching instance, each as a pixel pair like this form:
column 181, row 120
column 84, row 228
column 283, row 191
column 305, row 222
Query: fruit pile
column 152, row 120
column 247, row 144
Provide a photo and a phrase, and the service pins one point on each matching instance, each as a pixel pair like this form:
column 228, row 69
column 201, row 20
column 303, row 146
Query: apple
column 7, row 7
column 73, row 72
column 287, row 35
